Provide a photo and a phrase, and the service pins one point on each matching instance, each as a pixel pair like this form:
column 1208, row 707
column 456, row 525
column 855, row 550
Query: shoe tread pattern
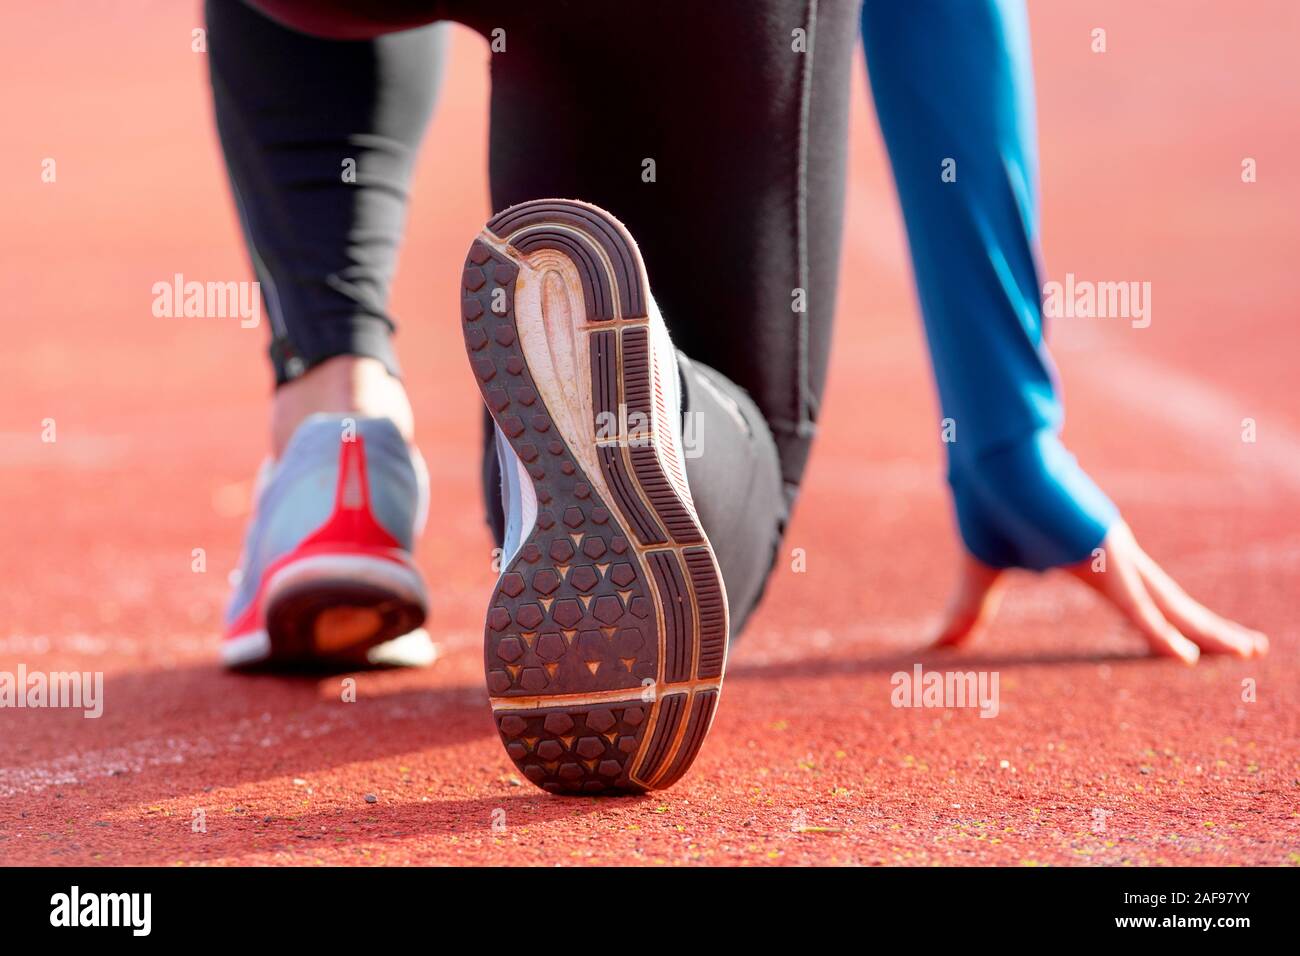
column 574, row 613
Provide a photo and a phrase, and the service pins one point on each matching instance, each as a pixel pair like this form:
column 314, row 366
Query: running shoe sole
column 606, row 635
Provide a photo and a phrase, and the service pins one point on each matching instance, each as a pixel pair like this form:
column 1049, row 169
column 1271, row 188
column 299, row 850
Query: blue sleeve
column 953, row 87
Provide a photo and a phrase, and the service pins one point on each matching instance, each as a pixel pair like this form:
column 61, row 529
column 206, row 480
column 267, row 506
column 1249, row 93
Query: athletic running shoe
column 327, row 576
column 606, row 634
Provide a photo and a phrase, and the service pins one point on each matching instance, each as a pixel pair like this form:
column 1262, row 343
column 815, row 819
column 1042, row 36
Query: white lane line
column 71, row 449
column 264, row 731
column 1199, row 410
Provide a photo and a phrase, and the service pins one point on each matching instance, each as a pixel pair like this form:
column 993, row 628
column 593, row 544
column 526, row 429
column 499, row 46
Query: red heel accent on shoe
column 352, row 521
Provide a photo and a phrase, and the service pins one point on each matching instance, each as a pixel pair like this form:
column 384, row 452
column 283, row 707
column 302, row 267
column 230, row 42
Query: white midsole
column 519, row 500
column 404, row 582
column 414, row 649
column 245, row 649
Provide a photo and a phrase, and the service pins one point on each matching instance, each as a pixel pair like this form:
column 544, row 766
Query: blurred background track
column 160, row 425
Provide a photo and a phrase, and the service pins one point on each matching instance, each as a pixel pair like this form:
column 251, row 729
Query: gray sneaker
column 327, row 576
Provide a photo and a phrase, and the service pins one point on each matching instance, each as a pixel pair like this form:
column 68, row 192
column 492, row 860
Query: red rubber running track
column 160, row 424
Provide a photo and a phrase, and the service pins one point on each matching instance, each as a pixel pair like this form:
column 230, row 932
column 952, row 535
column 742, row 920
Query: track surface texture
column 1098, row 755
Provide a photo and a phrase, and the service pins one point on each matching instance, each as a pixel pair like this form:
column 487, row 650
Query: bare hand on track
column 1173, row 623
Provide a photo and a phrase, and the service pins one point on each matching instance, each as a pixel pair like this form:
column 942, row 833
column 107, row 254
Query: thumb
column 973, row 604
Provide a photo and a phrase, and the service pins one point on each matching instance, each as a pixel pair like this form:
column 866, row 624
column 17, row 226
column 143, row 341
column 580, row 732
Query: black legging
column 742, row 106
